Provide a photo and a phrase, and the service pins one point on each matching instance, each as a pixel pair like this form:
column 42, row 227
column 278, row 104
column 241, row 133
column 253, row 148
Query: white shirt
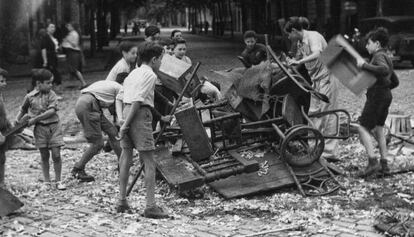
column 104, row 91
column 120, row 67
column 139, row 86
column 313, row 42
column 71, row 40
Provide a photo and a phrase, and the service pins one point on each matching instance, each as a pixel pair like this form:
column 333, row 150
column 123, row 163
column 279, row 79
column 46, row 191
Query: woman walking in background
column 71, row 47
column 49, row 46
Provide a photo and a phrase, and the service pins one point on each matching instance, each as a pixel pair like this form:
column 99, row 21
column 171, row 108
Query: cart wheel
column 302, row 146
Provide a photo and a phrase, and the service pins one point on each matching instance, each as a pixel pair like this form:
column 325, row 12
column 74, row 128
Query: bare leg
column 80, row 77
column 373, row 166
column 89, row 153
column 380, row 136
column 147, row 157
column 57, row 163
column 365, row 137
column 116, row 146
column 2, row 168
column 45, row 154
column 124, row 165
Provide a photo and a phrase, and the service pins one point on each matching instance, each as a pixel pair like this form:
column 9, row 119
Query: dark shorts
column 93, row 120
column 139, row 135
column 376, row 107
column 48, row 136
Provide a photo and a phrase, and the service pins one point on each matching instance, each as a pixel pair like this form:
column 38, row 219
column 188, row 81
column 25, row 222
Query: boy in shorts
column 136, row 131
column 379, row 99
column 41, row 105
column 99, row 95
column 4, row 126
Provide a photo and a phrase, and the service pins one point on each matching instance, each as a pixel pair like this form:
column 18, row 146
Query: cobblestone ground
column 88, row 209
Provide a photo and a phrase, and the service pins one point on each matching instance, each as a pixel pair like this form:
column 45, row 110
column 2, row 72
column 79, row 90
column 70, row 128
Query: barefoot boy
column 379, row 98
column 136, row 131
column 41, row 105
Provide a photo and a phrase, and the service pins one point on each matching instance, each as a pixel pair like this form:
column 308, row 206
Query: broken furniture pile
column 268, row 112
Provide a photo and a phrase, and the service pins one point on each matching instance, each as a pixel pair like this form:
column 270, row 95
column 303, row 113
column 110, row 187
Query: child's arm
column 135, row 106
column 119, row 106
column 378, row 67
column 44, row 115
column 50, row 111
column 316, row 50
column 24, row 109
column 44, row 57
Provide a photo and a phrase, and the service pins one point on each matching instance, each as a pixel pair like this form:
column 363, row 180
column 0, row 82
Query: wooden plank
column 249, row 165
column 250, row 183
column 194, row 134
column 178, row 145
column 342, row 64
column 8, row 202
column 177, row 170
column 277, row 177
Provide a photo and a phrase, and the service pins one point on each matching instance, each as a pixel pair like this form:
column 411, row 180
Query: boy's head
column 180, row 48
column 43, row 79
column 176, row 34
column 120, row 78
column 3, row 75
column 168, row 45
column 152, row 33
column 129, row 51
column 295, row 26
column 151, row 54
column 250, row 38
column 377, row 39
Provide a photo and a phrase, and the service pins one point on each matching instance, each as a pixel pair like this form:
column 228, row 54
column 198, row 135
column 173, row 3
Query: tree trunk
column 102, row 31
column 92, row 31
column 221, row 19
column 379, row 7
column 231, row 19
column 213, row 23
column 115, row 21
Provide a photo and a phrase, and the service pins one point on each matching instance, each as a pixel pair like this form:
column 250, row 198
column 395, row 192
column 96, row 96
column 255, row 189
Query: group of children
column 131, row 85
column 307, row 46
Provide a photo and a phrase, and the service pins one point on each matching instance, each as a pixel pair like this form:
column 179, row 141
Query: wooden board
column 340, row 58
column 176, row 170
column 250, row 165
column 174, row 73
column 277, row 177
column 194, row 134
column 8, row 202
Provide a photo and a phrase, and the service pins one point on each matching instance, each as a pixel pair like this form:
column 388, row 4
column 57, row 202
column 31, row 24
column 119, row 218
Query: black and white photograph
column 207, row 118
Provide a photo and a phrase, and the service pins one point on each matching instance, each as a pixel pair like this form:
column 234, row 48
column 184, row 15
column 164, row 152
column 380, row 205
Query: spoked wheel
column 302, row 146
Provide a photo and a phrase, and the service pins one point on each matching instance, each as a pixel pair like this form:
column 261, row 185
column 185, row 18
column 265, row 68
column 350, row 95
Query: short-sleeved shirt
column 71, row 41
column 255, row 55
column 104, row 91
column 313, row 42
column 139, row 86
column 36, row 103
column 120, row 67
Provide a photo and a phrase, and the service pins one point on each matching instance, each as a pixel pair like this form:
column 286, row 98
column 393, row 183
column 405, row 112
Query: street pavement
column 88, row 209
